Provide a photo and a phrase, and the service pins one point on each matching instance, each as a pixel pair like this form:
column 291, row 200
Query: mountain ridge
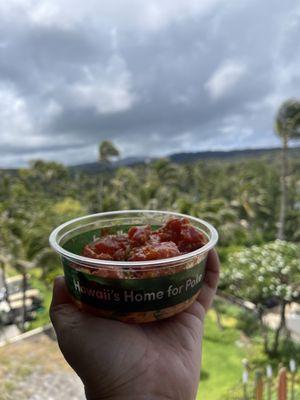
column 185, row 157
column 178, row 158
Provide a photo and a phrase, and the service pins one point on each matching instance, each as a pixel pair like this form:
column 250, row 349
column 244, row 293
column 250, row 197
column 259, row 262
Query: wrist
column 91, row 396
column 140, row 397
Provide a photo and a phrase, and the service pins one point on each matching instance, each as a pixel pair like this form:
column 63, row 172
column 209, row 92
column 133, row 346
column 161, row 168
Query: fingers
column 66, row 318
column 211, row 279
column 61, row 309
column 60, row 293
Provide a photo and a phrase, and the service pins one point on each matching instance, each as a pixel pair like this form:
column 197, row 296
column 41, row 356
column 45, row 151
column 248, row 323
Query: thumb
column 62, row 310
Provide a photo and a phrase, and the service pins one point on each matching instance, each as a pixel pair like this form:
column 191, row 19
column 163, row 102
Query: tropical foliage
column 242, row 197
column 266, row 275
column 287, row 126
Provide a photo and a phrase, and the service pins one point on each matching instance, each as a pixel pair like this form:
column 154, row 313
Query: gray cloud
column 168, row 76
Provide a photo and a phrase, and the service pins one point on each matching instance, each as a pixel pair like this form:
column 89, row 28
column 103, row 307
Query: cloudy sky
column 154, row 76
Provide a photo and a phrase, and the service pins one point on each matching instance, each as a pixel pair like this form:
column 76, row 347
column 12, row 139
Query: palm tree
column 107, row 150
column 287, row 126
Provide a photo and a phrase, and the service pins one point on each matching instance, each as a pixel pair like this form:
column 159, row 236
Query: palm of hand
column 159, row 360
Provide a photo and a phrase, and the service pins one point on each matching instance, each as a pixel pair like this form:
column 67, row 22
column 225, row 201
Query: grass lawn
column 223, row 352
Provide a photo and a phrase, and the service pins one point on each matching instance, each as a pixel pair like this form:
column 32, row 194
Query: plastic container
column 137, row 291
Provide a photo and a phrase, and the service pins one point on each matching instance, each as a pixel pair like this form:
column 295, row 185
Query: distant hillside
column 232, row 154
column 180, row 158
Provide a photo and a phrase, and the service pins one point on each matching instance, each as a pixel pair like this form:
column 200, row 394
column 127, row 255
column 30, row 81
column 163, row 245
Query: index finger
column 210, row 281
column 60, row 294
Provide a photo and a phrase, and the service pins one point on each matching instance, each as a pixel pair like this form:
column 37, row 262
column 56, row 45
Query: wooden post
column 259, row 386
column 245, row 379
column 293, row 369
column 282, row 384
column 245, row 382
column 269, row 373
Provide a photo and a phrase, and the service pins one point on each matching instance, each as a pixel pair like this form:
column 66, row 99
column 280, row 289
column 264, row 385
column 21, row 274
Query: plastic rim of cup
column 54, row 242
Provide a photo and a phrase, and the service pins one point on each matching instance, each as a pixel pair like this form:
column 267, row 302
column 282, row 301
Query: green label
column 132, row 295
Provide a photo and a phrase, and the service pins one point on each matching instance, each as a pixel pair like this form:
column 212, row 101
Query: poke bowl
column 134, row 266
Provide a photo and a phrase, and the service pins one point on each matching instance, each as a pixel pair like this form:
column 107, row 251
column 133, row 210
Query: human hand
column 115, row 360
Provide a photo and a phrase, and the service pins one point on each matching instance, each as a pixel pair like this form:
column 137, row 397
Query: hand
column 159, row 360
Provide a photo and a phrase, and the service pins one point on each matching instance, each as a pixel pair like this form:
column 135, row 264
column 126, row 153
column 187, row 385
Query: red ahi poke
column 134, row 266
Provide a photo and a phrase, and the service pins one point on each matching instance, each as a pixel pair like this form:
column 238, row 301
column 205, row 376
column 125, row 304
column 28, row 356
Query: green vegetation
column 223, row 352
column 42, row 317
column 240, row 197
column 275, row 270
column 287, row 126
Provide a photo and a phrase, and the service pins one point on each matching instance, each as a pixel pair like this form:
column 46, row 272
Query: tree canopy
column 287, row 122
column 107, row 151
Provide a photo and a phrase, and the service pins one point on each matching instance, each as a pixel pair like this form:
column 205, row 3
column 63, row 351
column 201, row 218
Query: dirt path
column 50, row 386
column 35, row 370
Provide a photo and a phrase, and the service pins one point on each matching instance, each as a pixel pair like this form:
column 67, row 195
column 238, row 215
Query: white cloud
column 156, row 14
column 269, row 103
column 53, row 108
column 149, row 15
column 225, row 78
column 48, row 14
column 77, row 155
column 15, row 119
column 108, row 89
column 20, row 128
column 143, row 71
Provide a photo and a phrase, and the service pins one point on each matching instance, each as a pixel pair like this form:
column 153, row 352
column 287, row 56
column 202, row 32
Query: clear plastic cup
column 130, row 291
